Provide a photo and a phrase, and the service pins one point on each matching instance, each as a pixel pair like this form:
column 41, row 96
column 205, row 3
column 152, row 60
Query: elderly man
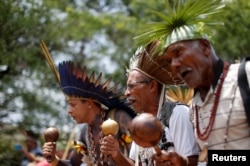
column 146, row 93
column 217, row 110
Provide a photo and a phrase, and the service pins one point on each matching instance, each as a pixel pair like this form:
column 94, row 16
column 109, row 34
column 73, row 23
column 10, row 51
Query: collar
column 218, row 68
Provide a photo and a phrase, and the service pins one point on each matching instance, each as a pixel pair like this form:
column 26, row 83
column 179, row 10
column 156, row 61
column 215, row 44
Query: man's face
column 137, row 91
column 189, row 61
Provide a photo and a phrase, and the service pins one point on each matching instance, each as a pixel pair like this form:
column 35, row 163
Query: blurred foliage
column 232, row 39
column 98, row 34
column 8, row 155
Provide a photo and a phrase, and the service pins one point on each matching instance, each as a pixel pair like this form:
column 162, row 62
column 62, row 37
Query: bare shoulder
column 123, row 118
column 122, row 114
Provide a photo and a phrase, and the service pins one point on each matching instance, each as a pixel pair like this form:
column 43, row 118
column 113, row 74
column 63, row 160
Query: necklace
column 203, row 136
column 95, row 156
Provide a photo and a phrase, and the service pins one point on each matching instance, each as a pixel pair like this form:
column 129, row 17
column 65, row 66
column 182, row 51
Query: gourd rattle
column 146, row 131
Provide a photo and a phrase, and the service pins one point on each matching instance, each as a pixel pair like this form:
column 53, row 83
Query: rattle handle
column 157, row 150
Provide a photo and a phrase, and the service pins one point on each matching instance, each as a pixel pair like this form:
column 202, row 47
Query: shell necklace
column 95, row 156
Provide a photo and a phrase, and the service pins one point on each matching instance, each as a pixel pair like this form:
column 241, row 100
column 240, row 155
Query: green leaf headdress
column 184, row 20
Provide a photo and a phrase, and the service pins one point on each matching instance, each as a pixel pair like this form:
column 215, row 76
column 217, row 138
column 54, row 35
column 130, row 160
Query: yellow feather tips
column 180, row 94
column 79, row 146
column 50, row 60
column 126, row 138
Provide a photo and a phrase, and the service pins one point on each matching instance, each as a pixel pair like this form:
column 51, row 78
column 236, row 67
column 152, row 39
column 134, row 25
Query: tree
column 21, row 24
column 232, row 39
column 28, row 87
column 85, row 32
column 96, row 33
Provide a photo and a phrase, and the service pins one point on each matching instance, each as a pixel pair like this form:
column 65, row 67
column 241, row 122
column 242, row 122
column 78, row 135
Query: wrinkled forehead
column 182, row 43
column 179, row 46
column 136, row 75
column 175, row 46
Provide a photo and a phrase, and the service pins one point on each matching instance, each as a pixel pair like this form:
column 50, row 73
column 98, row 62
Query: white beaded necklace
column 92, row 151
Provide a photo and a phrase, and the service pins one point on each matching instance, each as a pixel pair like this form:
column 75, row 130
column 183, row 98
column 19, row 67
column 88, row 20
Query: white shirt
column 180, row 132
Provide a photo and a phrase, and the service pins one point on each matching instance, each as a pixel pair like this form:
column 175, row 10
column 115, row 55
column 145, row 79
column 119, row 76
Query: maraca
column 51, row 134
column 109, row 127
column 146, row 131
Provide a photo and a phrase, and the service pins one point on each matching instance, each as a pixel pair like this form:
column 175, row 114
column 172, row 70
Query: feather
column 76, row 83
column 180, row 94
column 148, row 61
column 49, row 60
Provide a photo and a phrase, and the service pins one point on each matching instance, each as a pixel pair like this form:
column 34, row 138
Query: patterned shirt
column 230, row 129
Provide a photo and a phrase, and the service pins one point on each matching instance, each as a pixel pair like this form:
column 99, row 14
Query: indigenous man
column 217, row 110
column 146, row 93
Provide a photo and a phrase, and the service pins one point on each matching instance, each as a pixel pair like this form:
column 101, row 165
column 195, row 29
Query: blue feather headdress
column 76, row 84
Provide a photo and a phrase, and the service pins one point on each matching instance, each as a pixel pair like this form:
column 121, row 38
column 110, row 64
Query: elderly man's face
column 189, row 60
column 137, row 90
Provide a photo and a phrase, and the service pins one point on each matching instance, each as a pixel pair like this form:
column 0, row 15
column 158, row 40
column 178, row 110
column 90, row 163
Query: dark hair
column 159, row 86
